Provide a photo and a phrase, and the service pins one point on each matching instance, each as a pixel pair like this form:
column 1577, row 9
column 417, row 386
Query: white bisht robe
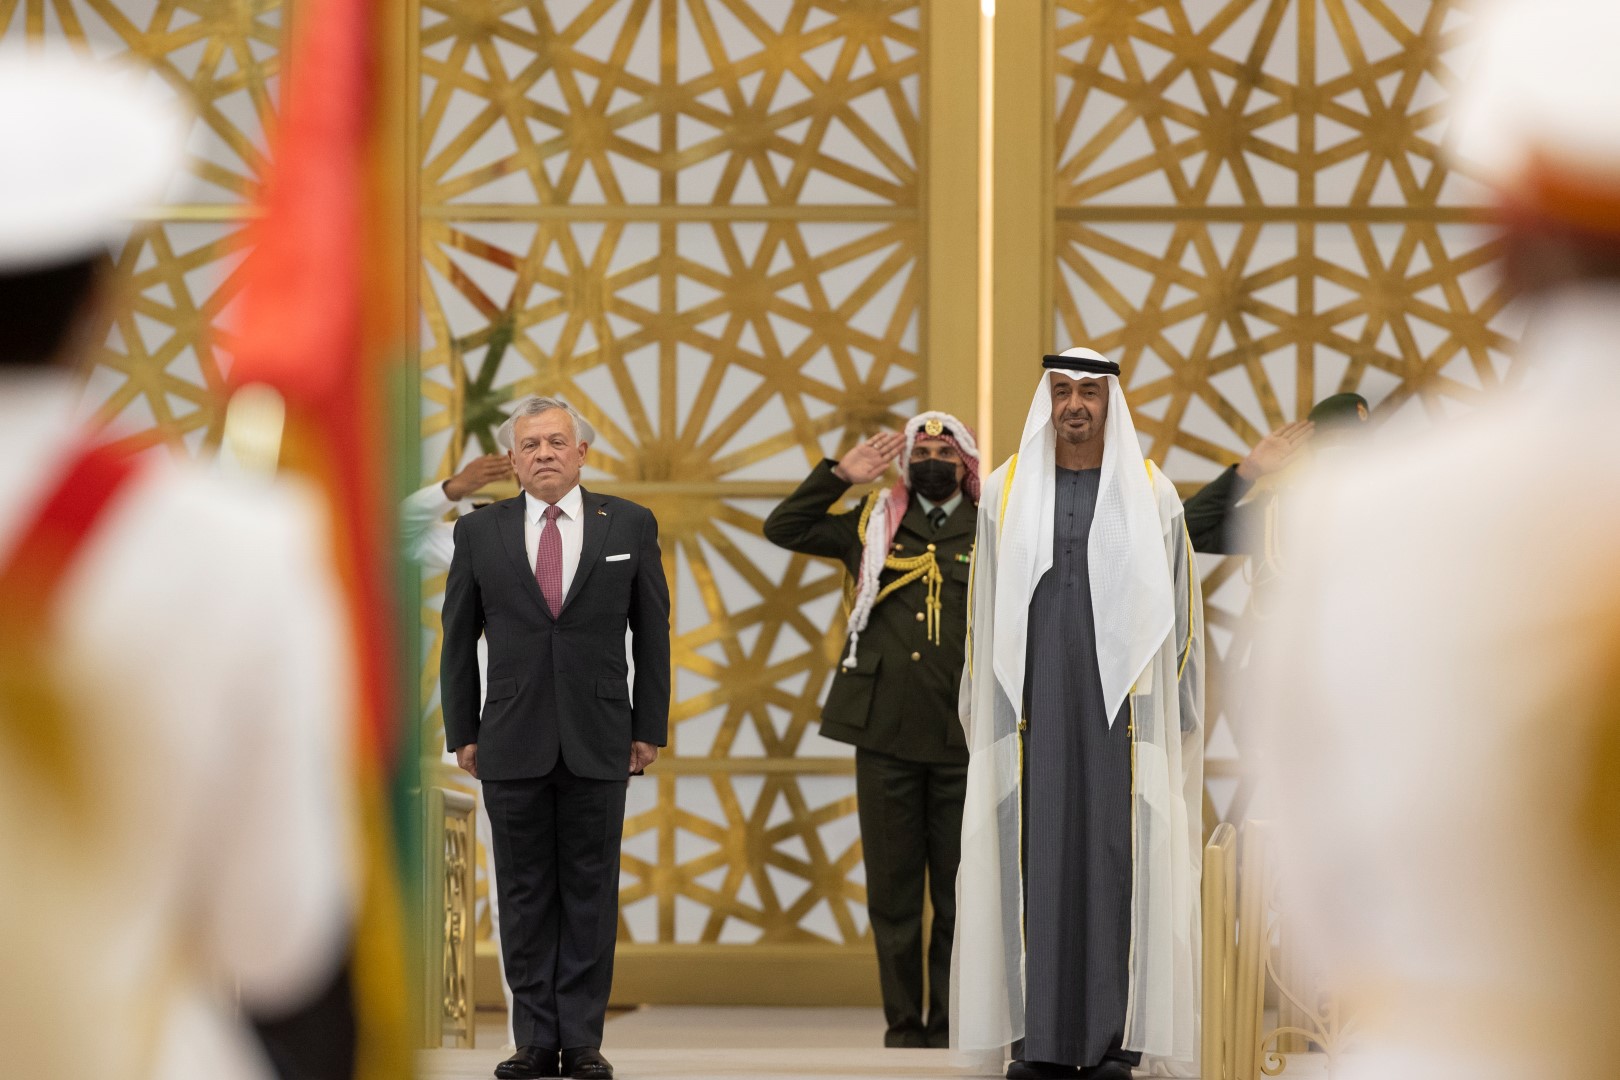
column 1149, row 617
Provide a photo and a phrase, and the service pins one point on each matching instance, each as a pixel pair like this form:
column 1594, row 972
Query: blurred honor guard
column 1445, row 729
column 172, row 665
column 1077, row 931
column 909, row 552
column 552, row 579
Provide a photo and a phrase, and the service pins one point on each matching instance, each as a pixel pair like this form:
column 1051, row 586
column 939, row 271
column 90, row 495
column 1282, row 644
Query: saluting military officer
column 908, row 551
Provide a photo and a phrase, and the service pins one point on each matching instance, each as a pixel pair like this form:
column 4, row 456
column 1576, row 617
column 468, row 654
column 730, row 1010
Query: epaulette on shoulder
column 860, row 504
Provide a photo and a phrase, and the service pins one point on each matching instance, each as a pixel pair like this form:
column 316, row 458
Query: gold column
column 1021, row 211
column 951, row 194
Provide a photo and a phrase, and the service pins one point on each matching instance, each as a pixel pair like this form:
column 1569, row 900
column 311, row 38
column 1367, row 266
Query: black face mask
column 933, row 479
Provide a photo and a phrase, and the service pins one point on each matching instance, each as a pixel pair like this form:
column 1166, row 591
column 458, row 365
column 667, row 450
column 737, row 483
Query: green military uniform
column 898, row 706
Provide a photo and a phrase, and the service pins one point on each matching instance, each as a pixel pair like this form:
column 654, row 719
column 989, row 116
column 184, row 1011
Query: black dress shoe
column 1110, row 1069
column 586, row 1063
column 529, row 1063
column 1040, row 1070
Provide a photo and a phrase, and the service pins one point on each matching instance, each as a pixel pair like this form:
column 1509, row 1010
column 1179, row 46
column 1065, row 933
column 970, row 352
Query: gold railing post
column 1253, row 944
column 451, row 926
column 1294, row 973
column 1220, row 950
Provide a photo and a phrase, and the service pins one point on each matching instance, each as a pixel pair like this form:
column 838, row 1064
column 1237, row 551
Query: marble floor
column 669, row 1042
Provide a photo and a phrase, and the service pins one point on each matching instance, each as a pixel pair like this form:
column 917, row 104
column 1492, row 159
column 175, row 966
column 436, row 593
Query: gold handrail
column 1220, row 950
column 1253, row 945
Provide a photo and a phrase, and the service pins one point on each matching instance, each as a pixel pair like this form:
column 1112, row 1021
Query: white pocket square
column 617, row 558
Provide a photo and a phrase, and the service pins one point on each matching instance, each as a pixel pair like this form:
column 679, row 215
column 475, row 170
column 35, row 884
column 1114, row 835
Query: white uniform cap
column 84, row 146
column 1539, row 104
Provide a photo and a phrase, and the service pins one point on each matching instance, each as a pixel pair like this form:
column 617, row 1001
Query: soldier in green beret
column 1223, row 520
column 908, row 551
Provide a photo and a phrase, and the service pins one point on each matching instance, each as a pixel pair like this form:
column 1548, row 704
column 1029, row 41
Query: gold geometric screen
column 164, row 361
column 700, row 223
column 703, row 222
column 1252, row 213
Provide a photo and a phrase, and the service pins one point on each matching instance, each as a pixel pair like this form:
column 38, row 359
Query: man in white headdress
column 174, row 687
column 1442, row 715
column 1077, row 902
column 908, row 551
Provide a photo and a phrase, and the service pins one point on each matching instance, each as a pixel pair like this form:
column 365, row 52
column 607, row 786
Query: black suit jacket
column 556, row 685
column 1216, row 524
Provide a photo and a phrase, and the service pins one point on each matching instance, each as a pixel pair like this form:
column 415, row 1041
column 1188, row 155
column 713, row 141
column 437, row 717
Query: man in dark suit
column 909, row 551
column 552, row 579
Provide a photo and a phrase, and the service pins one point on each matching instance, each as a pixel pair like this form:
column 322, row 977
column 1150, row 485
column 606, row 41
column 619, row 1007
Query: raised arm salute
column 908, row 551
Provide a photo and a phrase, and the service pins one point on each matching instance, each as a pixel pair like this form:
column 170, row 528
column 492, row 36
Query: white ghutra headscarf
column 1130, row 583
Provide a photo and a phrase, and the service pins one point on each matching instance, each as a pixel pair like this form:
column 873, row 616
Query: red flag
column 323, row 322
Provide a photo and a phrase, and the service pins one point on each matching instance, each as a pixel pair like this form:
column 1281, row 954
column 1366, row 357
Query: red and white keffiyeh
column 883, row 521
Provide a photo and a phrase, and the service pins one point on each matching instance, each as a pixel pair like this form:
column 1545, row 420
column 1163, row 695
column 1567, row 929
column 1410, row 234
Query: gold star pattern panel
column 632, row 102
column 1225, row 331
column 1257, row 103
column 771, row 857
column 699, row 221
column 702, row 352
column 162, row 366
column 754, row 629
column 164, row 361
column 739, row 859
column 1253, row 212
column 220, row 57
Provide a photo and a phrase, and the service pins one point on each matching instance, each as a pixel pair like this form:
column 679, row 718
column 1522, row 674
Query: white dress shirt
column 571, row 522
column 949, row 505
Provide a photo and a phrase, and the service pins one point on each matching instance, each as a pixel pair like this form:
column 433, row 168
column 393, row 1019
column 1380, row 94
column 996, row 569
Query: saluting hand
column 870, row 459
column 1275, row 450
column 479, row 473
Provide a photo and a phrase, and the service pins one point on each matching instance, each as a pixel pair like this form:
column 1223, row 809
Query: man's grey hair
column 534, row 405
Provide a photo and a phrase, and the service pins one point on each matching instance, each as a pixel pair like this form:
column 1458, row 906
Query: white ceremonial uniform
column 1439, row 707
column 426, row 536
column 202, row 660
column 431, row 541
column 1428, row 703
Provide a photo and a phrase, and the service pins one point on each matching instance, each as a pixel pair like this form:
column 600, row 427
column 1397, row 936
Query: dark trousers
column 557, row 869
column 911, row 827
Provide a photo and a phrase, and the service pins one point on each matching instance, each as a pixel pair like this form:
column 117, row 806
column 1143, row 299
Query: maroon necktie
column 548, row 561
